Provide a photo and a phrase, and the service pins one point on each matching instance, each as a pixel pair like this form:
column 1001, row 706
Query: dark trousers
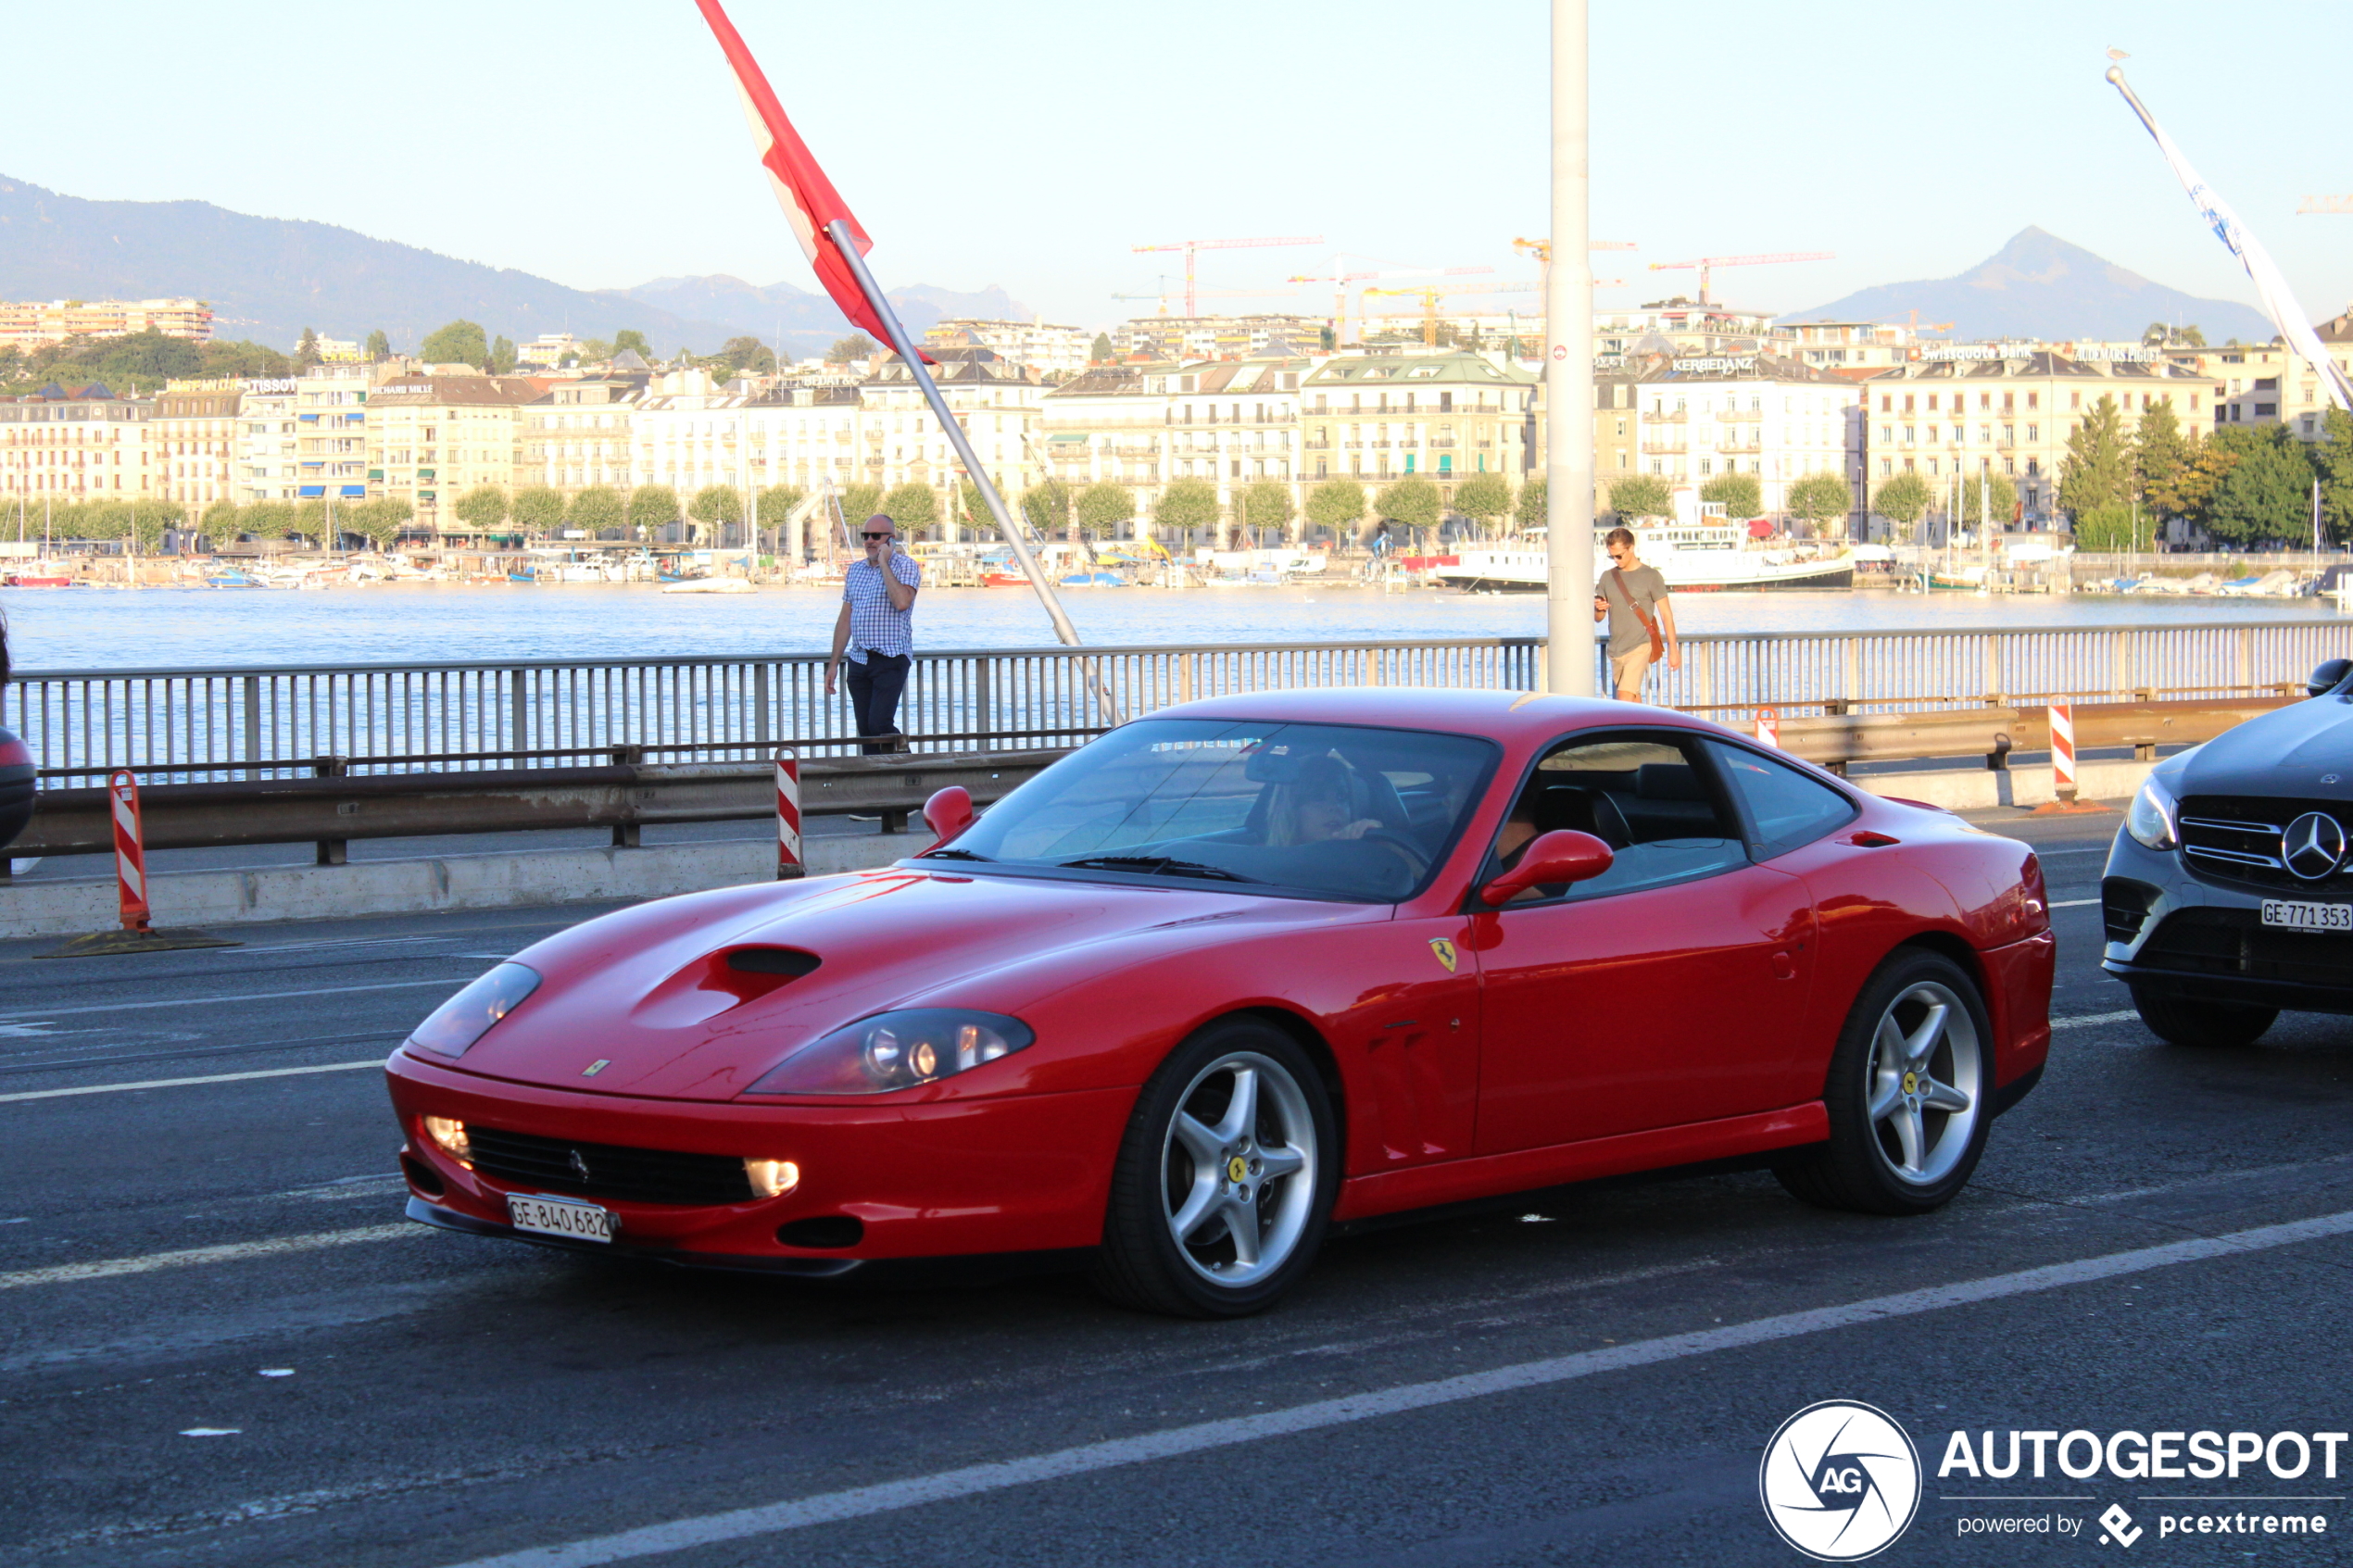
column 874, row 686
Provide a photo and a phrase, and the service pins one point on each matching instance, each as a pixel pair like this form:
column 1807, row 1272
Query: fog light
column 450, row 1133
column 772, row 1178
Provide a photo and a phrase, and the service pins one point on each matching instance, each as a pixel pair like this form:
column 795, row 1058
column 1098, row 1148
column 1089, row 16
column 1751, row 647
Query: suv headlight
column 457, row 1023
column 2151, row 821
column 897, row 1050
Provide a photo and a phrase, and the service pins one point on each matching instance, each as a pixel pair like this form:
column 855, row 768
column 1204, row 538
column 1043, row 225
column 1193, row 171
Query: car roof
column 1510, row 717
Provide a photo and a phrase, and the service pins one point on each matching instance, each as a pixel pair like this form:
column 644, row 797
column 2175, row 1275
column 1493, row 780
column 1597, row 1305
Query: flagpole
column 846, row 242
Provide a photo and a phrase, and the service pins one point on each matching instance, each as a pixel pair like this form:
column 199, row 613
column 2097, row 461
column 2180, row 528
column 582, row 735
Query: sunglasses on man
column 873, row 536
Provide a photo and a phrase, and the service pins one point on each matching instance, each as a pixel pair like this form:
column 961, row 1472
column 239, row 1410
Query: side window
column 1641, row 794
column 1788, row 807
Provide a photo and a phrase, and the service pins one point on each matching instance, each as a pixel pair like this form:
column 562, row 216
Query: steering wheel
column 1415, row 857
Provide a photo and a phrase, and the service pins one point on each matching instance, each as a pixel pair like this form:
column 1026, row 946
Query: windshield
column 1326, row 810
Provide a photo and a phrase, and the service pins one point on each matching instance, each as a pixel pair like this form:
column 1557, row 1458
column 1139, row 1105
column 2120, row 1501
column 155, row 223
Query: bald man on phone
column 876, row 630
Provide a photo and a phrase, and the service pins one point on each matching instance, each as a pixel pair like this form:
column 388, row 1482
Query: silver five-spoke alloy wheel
column 1238, row 1168
column 1926, row 1081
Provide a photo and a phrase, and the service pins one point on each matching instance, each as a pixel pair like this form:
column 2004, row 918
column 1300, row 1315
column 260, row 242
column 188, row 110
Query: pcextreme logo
column 1840, row 1481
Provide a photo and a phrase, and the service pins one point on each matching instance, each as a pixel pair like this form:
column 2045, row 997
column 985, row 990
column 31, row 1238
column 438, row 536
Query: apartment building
column 58, row 447
column 331, row 431
column 1381, row 417
column 1054, row 352
column 2260, row 383
column 27, row 323
column 194, row 433
column 1236, row 423
column 1855, row 349
column 1110, row 425
column 1699, row 417
column 578, row 434
column 268, row 465
column 2009, row 410
column 1216, row 337
column 433, row 437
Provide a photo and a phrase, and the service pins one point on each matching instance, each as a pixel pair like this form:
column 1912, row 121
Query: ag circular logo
column 1840, row 1481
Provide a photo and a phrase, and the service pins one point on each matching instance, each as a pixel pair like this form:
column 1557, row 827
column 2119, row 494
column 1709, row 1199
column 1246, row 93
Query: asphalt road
column 221, row 1344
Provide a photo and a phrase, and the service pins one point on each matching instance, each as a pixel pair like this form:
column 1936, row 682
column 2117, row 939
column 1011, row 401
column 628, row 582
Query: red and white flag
column 810, row 201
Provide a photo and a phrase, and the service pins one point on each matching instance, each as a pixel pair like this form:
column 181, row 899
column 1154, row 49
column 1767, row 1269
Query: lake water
column 84, row 628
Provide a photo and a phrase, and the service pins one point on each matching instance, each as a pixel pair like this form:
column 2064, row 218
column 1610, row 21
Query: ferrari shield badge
column 1445, row 951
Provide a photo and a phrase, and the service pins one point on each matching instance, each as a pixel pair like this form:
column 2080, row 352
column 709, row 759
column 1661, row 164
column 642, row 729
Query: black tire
column 2179, row 1021
column 1163, row 1168
column 1862, row 1167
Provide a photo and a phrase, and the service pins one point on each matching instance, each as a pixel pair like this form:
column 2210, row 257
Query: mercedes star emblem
column 2314, row 845
column 579, row 1165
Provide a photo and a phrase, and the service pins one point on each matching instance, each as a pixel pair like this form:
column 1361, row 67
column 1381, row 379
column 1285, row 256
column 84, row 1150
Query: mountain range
column 2040, row 286
column 268, row 278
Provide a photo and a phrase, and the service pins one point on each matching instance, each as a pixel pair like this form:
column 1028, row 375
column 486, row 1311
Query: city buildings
column 331, row 431
column 429, row 438
column 2009, row 410
column 268, row 458
column 995, row 399
column 578, row 434
column 88, row 445
column 1216, row 337
column 1379, row 416
column 1109, row 425
column 1700, row 417
column 26, row 324
column 1054, row 352
column 194, row 431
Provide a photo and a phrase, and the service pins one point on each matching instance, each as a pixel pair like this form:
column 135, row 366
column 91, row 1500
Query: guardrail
column 180, row 725
column 334, row 810
column 330, row 811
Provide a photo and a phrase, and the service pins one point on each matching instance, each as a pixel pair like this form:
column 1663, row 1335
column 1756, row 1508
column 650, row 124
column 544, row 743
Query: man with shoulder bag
column 1642, row 623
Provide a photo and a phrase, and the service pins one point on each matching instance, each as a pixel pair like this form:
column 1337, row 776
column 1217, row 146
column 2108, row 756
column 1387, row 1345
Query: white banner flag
column 2278, row 302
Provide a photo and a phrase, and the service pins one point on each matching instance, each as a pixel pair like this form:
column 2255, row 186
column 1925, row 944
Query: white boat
column 1694, row 559
column 709, row 585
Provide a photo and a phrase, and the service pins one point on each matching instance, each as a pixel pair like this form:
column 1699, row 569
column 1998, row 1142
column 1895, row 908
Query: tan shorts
column 1627, row 669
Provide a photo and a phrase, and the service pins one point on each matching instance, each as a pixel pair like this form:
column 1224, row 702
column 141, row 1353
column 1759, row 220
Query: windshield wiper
column 1156, row 865
column 952, row 855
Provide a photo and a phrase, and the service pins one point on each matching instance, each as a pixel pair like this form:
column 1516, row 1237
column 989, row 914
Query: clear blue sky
column 1029, row 142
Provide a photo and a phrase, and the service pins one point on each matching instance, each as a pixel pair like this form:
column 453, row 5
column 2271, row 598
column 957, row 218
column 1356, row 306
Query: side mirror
column 2327, row 676
column 948, row 813
column 1565, row 856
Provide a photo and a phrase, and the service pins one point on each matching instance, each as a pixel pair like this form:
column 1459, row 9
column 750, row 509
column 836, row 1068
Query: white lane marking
column 109, row 1268
column 860, row 1503
column 180, row 1082
column 325, row 944
column 45, row 1013
column 2070, row 903
column 2081, row 1019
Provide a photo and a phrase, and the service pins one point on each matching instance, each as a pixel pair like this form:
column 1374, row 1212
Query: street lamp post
column 1568, row 375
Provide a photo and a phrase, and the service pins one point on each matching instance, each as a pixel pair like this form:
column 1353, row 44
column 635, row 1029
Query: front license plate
column 2297, row 914
column 561, row 1216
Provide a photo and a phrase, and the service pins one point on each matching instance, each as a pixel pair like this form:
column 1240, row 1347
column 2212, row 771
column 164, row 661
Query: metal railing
column 186, row 725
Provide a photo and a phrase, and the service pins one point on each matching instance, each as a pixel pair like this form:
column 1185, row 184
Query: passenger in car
column 1317, row 806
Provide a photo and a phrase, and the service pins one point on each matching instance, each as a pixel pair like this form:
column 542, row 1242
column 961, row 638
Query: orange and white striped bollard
column 788, row 861
column 1768, row 727
column 2063, row 752
column 130, row 850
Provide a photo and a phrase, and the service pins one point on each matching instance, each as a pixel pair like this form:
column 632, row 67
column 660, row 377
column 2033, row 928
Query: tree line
column 2242, row 484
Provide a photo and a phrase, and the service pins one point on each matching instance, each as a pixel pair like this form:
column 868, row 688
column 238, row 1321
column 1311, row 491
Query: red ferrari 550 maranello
column 1244, row 969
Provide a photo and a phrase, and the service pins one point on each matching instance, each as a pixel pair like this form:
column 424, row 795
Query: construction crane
column 1339, row 280
column 1431, row 293
column 1707, row 264
column 1192, row 295
column 1191, row 246
column 1543, row 249
column 2326, row 204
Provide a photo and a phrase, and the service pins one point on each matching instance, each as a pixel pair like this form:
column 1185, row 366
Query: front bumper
column 952, row 1179
column 2174, row 935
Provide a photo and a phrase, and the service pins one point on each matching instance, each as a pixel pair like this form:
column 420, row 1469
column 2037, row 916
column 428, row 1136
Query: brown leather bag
column 1658, row 644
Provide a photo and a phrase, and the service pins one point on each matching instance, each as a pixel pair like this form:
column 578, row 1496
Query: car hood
column 2284, row 753
column 656, row 1001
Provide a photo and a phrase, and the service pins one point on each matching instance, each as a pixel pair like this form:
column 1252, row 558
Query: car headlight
column 2151, row 818
column 467, row 1017
column 897, row 1050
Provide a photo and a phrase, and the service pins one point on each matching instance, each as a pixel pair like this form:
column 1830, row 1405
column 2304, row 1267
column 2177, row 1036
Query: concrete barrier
column 216, row 899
